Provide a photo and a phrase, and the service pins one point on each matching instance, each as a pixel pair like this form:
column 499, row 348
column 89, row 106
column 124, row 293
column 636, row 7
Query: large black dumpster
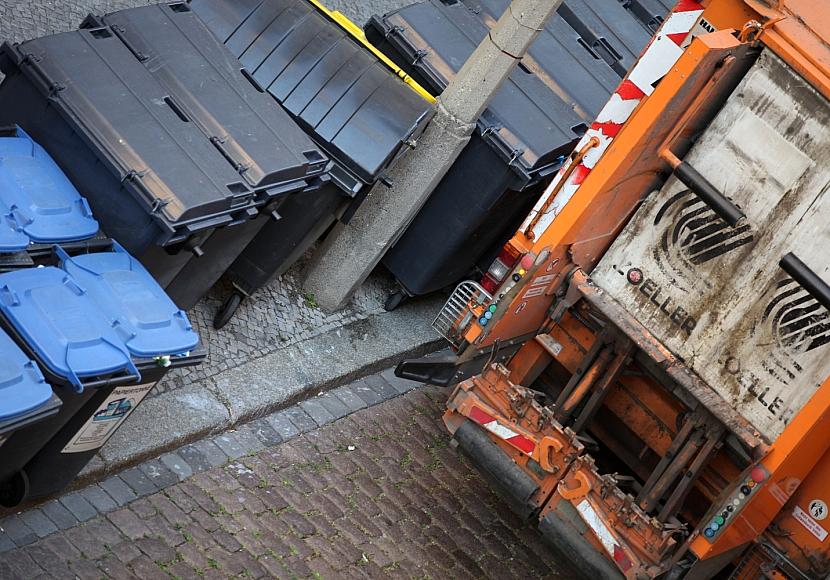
column 103, row 332
column 355, row 106
column 39, row 206
column 160, row 129
column 534, row 120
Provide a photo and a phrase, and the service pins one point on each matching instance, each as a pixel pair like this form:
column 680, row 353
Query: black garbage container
column 361, row 110
column 103, row 332
column 162, row 131
column 39, row 205
column 533, row 121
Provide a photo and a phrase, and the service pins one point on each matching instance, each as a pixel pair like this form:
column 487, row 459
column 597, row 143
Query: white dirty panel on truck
column 715, row 294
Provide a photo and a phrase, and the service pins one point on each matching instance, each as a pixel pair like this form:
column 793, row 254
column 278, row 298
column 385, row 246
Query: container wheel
column 228, row 309
column 15, row 490
column 394, row 300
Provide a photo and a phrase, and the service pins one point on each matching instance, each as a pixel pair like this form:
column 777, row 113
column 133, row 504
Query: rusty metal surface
column 674, row 368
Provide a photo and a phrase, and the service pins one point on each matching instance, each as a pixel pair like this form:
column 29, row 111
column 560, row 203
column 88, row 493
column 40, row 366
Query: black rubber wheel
column 394, row 300
column 15, row 490
column 227, row 311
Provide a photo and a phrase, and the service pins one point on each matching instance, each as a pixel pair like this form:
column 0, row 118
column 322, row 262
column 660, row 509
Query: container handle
column 809, row 280
column 703, row 188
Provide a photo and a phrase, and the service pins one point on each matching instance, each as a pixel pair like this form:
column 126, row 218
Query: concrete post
column 351, row 251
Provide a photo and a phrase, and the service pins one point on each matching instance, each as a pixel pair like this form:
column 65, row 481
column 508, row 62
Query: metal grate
column 456, row 313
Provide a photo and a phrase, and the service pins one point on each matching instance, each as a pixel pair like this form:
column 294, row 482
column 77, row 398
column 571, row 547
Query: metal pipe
column 575, row 160
column 700, row 186
column 585, row 384
column 612, row 373
column 809, row 280
column 675, row 469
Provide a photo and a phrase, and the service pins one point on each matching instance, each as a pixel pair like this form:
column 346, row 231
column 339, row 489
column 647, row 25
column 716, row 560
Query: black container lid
column 530, row 121
column 168, row 112
column 354, row 106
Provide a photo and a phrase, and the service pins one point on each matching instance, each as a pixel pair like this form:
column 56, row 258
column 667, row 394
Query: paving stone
column 381, row 386
column 248, row 439
column 301, row 420
column 203, row 455
column 60, row 516
column 159, row 474
column 317, row 411
column 78, row 506
column 369, row 395
column 334, row 405
column 175, row 463
column 138, row 481
column 282, row 424
column 128, row 523
column 6, row 544
column 98, row 498
column 349, row 398
column 38, row 522
column 17, row 531
column 265, row 432
column 118, row 490
column 24, row 566
column 231, row 445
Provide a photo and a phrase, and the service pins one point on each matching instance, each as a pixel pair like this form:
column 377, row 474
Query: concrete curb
column 265, row 385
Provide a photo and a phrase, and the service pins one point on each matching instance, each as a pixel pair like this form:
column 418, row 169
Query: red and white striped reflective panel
column 657, row 59
column 490, row 423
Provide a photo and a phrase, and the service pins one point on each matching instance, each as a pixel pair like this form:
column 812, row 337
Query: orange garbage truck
column 643, row 372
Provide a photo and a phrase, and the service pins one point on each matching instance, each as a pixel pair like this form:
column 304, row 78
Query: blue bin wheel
column 394, row 300
column 14, row 491
column 228, row 309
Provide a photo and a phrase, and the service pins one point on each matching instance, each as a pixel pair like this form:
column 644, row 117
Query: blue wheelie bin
column 25, row 399
column 39, row 206
column 104, row 333
column 158, row 337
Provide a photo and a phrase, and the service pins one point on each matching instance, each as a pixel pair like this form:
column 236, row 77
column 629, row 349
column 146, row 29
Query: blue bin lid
column 38, row 202
column 152, row 324
column 22, row 386
column 65, row 327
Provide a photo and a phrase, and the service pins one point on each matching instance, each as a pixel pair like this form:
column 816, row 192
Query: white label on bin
column 108, row 418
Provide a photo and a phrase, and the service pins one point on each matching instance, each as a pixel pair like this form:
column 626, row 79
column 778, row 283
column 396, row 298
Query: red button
column 758, row 475
column 527, row 261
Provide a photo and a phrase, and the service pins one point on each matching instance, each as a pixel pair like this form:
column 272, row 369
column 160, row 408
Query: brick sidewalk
column 377, row 493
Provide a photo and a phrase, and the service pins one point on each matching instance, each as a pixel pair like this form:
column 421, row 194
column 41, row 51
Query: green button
column 719, row 520
column 493, row 308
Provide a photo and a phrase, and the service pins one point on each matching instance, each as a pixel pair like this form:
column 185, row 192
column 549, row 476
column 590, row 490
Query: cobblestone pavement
column 279, row 315
column 374, row 493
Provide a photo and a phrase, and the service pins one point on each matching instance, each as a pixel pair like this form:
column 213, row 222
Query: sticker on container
column 107, row 418
column 818, row 509
column 812, row 525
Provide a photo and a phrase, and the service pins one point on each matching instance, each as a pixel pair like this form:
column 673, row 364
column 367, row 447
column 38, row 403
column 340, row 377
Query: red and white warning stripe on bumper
column 604, row 535
column 491, row 424
column 661, row 54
